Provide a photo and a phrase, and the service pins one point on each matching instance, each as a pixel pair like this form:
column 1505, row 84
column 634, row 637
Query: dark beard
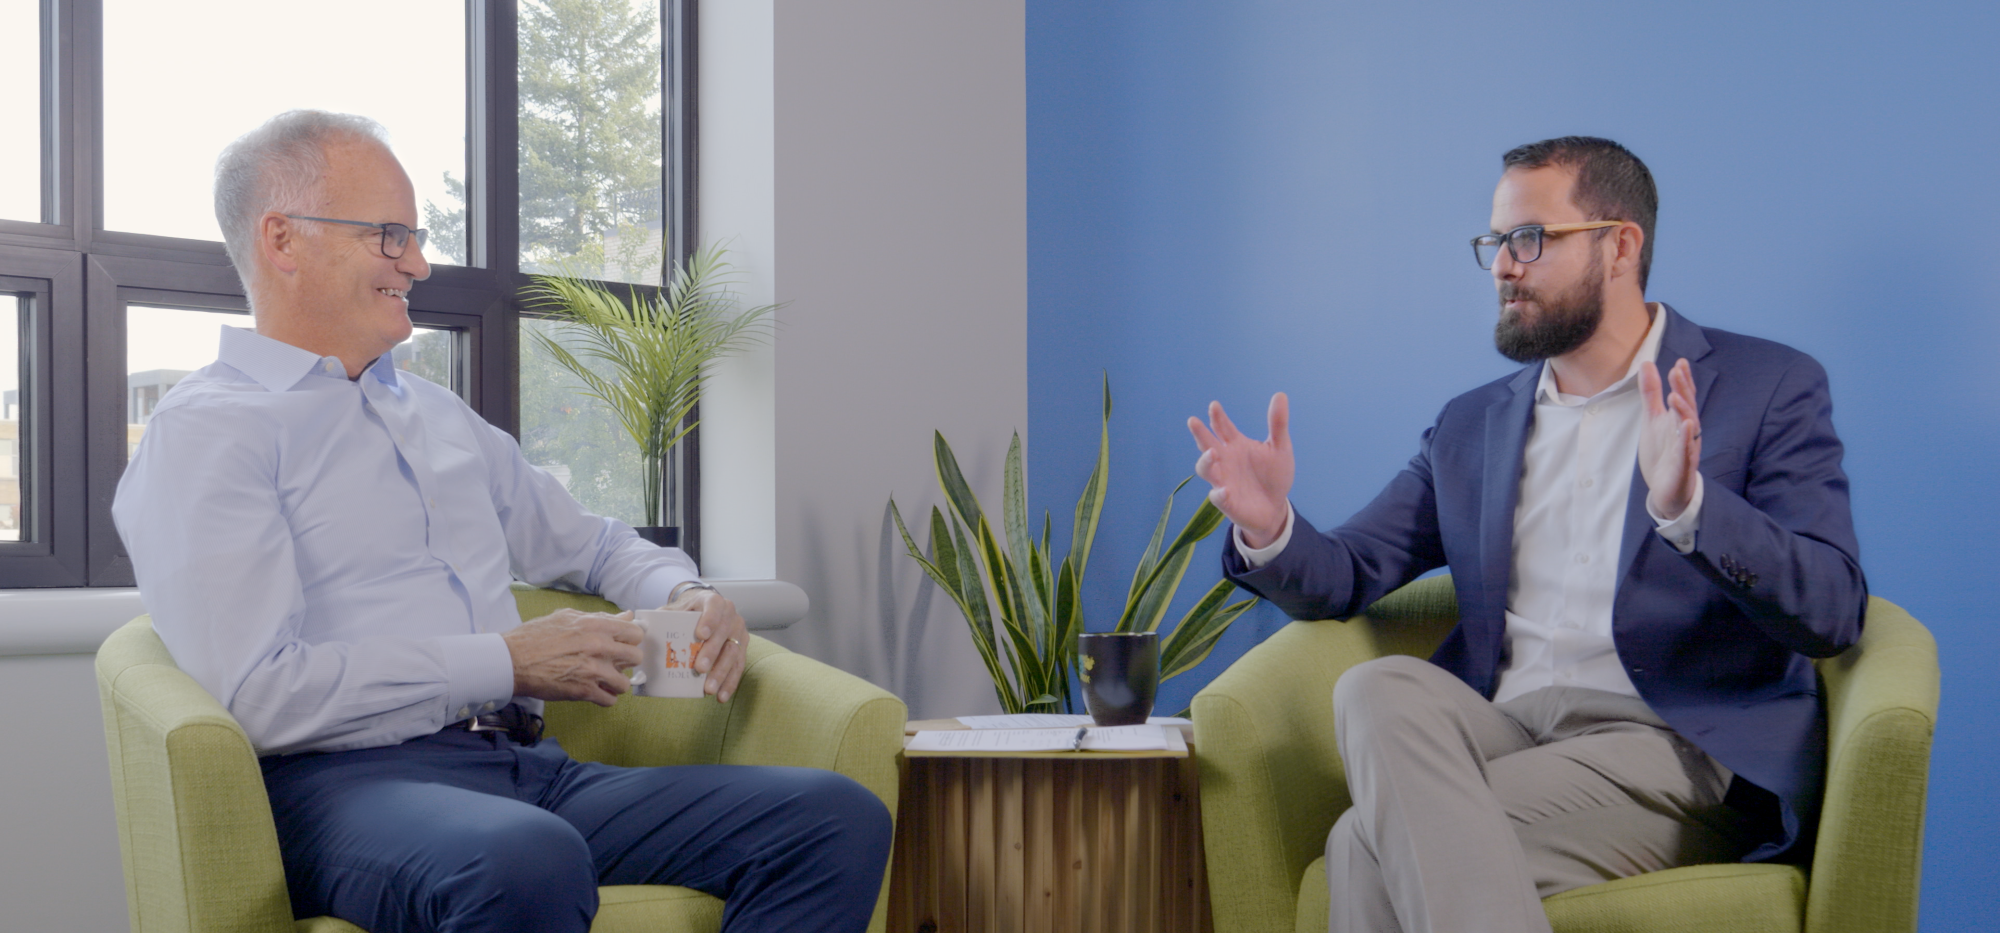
column 1565, row 323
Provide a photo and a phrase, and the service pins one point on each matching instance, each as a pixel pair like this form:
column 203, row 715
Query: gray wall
column 900, row 177
column 59, row 865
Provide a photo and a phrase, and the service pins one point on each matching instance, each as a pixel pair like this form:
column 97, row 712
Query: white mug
column 667, row 653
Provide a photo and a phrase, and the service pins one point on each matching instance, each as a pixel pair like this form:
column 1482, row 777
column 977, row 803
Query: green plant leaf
column 1014, row 510
column 1144, row 615
column 953, row 483
column 1143, row 575
column 660, row 346
column 1007, row 596
column 1197, row 632
column 949, row 581
column 1090, row 505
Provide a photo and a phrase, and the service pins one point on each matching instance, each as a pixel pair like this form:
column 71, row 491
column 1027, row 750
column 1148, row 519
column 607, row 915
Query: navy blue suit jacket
column 1717, row 641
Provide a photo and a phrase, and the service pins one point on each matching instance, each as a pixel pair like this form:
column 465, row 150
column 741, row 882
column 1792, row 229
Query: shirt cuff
column 658, row 587
column 1680, row 532
column 479, row 670
column 1258, row 557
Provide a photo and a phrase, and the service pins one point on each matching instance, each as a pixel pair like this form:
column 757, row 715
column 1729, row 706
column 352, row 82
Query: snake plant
column 1037, row 600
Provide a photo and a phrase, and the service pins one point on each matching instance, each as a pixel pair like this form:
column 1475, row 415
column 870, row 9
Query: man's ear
column 1631, row 243
column 278, row 242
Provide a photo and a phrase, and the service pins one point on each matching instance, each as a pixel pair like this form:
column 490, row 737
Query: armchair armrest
column 1271, row 778
column 1882, row 700
column 196, row 857
column 788, row 710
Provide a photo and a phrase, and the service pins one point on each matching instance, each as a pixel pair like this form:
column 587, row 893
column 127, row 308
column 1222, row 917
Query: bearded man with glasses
column 325, row 543
column 1649, row 534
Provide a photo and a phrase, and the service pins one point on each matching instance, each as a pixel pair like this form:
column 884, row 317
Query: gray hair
column 279, row 166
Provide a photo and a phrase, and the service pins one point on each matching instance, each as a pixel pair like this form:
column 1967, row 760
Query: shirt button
column 1594, row 408
column 1583, row 558
column 1586, row 482
column 464, row 712
column 431, row 501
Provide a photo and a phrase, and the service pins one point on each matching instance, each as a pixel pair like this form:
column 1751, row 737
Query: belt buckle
column 523, row 727
column 478, row 724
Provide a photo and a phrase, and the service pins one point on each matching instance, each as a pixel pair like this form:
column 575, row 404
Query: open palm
column 1251, row 478
column 1669, row 440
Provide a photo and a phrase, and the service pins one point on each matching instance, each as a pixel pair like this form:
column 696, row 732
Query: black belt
column 519, row 724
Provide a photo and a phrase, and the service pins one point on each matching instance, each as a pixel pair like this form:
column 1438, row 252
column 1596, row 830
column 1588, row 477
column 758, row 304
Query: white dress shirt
column 330, row 557
column 1575, row 478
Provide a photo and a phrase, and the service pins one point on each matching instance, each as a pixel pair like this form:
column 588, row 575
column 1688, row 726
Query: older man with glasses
column 1649, row 534
column 325, row 543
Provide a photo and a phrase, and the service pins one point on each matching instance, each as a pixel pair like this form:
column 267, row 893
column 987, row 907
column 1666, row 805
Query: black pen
column 1077, row 745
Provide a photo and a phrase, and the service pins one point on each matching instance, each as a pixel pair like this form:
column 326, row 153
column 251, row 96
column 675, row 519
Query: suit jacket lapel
column 1507, row 425
column 1682, row 340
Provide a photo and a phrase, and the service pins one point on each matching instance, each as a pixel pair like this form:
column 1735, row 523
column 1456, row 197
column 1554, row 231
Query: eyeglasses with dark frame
column 1525, row 242
column 395, row 236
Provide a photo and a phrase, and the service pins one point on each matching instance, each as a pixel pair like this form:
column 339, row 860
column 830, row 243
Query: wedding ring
column 734, row 642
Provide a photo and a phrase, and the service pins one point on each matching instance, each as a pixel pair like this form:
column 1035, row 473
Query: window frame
column 89, row 275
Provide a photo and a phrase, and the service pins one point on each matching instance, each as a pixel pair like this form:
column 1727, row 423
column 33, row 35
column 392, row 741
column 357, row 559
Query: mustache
column 1514, row 291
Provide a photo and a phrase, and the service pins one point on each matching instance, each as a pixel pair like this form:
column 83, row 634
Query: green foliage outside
column 563, row 428
column 590, row 164
column 590, row 134
column 428, row 354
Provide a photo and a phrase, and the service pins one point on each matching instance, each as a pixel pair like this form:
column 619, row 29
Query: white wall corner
column 738, row 208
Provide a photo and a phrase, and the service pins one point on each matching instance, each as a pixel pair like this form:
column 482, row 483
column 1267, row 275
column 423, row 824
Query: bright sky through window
column 10, row 347
column 20, row 110
column 168, row 112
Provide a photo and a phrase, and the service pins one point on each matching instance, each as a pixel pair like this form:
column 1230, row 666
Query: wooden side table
column 1048, row 841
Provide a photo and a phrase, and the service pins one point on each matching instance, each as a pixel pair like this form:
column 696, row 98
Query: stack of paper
column 1095, row 739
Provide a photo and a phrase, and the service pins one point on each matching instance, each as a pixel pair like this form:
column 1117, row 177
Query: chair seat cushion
column 1695, row 899
column 624, row 908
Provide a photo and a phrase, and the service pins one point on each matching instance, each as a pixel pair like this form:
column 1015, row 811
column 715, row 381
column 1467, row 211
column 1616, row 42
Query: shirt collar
column 279, row 366
column 1649, row 352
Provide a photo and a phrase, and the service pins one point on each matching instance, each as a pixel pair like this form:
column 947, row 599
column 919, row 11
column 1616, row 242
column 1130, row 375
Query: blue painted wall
column 1229, row 199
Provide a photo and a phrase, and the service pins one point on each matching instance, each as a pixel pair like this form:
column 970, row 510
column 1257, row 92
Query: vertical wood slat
column 1008, row 845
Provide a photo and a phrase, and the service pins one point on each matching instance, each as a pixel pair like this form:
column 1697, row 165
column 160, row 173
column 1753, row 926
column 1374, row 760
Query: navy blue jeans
column 464, row 831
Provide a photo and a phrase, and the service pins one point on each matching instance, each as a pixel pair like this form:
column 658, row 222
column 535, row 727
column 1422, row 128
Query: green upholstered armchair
column 201, row 852
column 1271, row 788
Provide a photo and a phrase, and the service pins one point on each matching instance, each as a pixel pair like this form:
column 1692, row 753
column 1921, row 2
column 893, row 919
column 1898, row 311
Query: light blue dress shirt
column 331, row 558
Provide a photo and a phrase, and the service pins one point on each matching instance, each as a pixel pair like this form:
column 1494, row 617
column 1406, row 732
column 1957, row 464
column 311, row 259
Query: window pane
column 591, row 139
column 21, row 110
column 14, row 459
column 164, row 345
column 575, row 437
column 203, row 72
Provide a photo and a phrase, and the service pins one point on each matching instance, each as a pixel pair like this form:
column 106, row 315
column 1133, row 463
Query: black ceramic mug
column 1121, row 674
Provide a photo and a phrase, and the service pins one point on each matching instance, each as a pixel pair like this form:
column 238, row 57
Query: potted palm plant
column 653, row 349
column 1037, row 600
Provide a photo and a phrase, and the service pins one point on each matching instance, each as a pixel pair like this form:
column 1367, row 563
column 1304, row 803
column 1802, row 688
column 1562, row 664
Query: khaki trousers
column 1467, row 813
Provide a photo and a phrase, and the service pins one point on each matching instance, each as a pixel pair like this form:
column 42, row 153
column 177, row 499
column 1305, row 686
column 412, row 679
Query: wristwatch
column 686, row 585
